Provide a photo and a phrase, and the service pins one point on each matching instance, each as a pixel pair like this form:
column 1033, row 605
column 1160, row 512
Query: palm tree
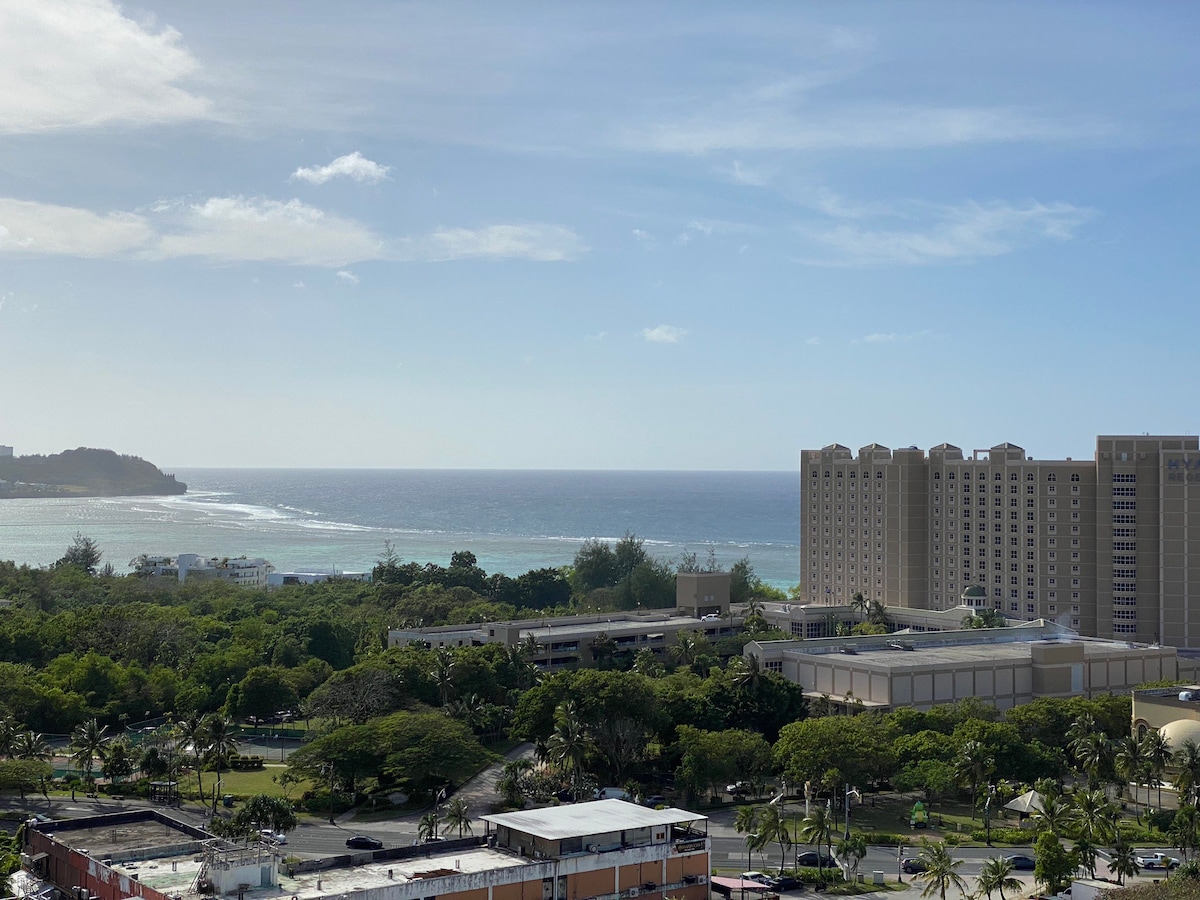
column 772, row 827
column 940, row 870
column 219, row 743
column 9, row 729
column 603, row 649
column 1093, row 753
column 1121, row 861
column 1158, row 757
column 860, row 605
column 192, row 734
column 511, row 783
column 427, row 827
column 746, row 822
column 89, row 741
column 646, row 663
column 1094, row 816
column 853, row 848
column 817, row 828
column 443, row 673
column 29, row 745
column 1085, row 852
column 746, row 672
column 996, row 875
column 1130, row 764
column 878, row 613
column 457, row 815
column 1187, row 760
column 569, row 743
column 973, row 765
column 687, row 647
column 1055, row 815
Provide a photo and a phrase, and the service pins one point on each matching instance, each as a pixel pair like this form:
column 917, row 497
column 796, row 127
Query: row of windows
column 1124, row 478
column 1124, row 519
column 1124, row 492
column 1124, row 504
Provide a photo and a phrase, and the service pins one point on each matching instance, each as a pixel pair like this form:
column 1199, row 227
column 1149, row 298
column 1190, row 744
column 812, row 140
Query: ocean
column 513, row 521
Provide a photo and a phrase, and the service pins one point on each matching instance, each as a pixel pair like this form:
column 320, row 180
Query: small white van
column 612, row 793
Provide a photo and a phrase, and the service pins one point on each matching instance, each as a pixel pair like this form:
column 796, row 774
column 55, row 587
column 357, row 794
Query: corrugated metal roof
column 554, row 823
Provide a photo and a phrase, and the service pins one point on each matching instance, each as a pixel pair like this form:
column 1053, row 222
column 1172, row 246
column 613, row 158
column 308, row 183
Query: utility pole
column 846, row 808
column 331, row 819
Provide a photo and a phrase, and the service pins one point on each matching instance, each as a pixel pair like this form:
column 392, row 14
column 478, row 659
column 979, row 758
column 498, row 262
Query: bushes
column 811, row 875
column 242, row 762
column 1005, row 835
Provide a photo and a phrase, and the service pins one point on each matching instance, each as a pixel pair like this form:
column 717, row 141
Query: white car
column 1157, row 860
column 272, row 837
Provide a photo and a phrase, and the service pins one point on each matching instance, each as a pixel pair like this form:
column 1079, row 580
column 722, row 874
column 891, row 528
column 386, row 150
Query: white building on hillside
column 242, row 571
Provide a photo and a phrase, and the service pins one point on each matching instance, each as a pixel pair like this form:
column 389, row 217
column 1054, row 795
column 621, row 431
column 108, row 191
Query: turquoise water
column 513, row 521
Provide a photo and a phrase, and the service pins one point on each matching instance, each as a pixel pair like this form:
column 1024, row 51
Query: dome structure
column 974, row 595
column 1179, row 731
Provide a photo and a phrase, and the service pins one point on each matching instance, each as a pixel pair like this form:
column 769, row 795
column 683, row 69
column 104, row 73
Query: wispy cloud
column 236, row 228
column 664, row 334
column 347, row 276
column 82, row 64
column 354, row 166
column 945, row 234
column 892, row 337
column 640, row 235
column 743, row 174
column 813, row 341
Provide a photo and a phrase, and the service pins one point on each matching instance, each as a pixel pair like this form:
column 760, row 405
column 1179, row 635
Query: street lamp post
column 900, row 863
column 846, row 808
column 987, row 812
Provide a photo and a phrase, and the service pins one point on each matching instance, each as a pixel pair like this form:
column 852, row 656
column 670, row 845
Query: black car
column 362, row 842
column 654, row 801
column 785, row 883
column 812, row 859
column 912, row 865
column 1021, row 861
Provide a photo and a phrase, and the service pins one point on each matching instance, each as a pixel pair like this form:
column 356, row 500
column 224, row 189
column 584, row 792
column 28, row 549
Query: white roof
column 555, row 823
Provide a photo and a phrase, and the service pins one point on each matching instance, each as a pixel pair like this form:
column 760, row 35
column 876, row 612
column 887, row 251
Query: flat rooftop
column 105, row 840
column 555, row 823
column 922, row 655
column 174, row 875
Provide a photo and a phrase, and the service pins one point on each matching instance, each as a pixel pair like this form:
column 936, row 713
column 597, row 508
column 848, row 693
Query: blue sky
column 643, row 235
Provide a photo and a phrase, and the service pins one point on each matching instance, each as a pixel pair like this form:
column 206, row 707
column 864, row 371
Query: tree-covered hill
column 83, row 472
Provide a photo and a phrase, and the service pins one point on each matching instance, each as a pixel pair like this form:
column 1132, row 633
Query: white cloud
column 598, row 336
column 813, row 341
column 82, row 63
column 347, row 277
column 299, row 284
column 28, row 228
column 541, row 243
column 664, row 334
column 642, row 235
column 231, row 229
column 964, row 232
column 892, row 337
column 241, row 228
column 745, row 175
column 354, row 166
column 772, row 127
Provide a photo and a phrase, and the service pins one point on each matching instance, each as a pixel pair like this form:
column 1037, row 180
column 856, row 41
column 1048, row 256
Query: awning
column 1028, row 802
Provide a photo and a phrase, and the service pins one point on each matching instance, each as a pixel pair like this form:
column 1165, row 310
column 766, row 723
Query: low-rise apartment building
column 243, row 571
column 603, row 850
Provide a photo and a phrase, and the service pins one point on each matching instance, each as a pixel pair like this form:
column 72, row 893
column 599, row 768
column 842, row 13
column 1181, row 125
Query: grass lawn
column 244, row 784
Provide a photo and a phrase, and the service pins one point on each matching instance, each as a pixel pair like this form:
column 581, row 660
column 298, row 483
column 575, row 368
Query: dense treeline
column 83, row 472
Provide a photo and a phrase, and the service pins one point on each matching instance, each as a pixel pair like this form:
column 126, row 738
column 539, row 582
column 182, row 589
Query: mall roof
column 555, row 823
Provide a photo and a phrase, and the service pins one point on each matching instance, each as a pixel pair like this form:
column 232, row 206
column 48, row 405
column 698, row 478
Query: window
column 1075, row 476
column 997, row 477
column 1120, row 478
column 1029, row 476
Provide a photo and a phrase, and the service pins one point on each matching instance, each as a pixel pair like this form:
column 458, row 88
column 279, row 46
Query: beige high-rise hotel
column 1108, row 546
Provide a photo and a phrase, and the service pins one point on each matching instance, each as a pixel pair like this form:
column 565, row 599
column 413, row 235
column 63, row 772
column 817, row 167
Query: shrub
column 811, row 875
column 1005, row 835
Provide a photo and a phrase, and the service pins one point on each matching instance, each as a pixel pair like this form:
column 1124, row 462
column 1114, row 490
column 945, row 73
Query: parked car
column 272, row 837
column 812, row 859
column 612, row 793
column 655, row 800
column 912, row 865
column 738, row 787
column 785, row 883
column 1021, row 861
column 756, row 876
column 362, row 842
column 1158, row 860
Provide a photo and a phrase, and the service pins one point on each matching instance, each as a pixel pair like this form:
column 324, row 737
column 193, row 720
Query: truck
column 1157, row 860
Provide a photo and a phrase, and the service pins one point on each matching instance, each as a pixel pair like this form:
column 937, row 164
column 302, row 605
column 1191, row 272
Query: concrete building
column 1108, row 546
column 242, row 571
column 286, row 579
column 702, row 605
column 604, row 850
column 6, row 451
column 1002, row 666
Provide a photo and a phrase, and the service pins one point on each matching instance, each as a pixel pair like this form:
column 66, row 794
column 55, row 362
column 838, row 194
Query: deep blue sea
column 324, row 519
